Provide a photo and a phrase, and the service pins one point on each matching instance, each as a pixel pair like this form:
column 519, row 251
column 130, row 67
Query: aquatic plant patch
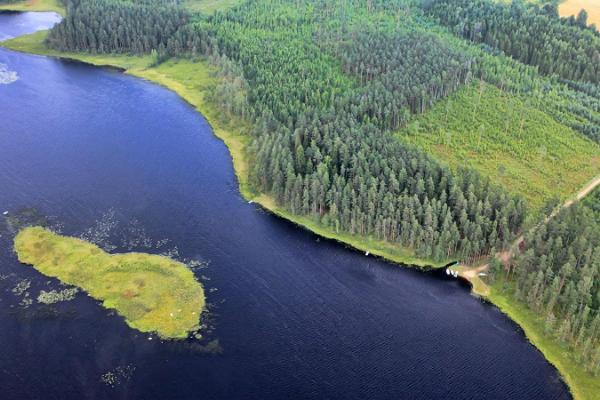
column 55, row 296
column 6, row 75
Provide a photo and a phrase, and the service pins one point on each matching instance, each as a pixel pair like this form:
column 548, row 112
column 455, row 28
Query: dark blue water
column 127, row 164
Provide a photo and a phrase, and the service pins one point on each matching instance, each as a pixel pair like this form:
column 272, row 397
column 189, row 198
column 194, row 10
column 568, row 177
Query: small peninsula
column 153, row 293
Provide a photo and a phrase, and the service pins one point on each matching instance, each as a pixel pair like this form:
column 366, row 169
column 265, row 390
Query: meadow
column 210, row 6
column 508, row 139
column 153, row 293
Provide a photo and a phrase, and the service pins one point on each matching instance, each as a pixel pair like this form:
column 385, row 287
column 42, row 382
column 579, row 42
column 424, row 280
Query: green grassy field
column 153, row 293
column 507, row 139
column 34, row 43
column 210, row 6
column 34, row 5
column 582, row 384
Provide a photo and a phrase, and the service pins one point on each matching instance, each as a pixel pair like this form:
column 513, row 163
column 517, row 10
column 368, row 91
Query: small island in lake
column 153, row 293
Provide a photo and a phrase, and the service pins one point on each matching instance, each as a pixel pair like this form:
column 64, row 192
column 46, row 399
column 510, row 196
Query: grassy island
column 153, row 293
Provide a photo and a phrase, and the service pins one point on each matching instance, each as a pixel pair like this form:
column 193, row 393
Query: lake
column 129, row 165
column 13, row 24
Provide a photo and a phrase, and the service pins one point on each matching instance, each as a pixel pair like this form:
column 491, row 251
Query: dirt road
column 471, row 273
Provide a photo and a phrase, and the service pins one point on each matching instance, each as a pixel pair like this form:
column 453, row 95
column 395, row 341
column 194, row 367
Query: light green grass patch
column 508, row 139
column 153, row 293
column 210, row 6
column 34, row 43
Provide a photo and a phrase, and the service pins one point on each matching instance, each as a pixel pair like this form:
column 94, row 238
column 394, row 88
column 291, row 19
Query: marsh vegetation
column 153, row 293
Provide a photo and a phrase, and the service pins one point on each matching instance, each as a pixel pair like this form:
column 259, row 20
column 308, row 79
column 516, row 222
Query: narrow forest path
column 587, row 189
column 584, row 192
column 473, row 273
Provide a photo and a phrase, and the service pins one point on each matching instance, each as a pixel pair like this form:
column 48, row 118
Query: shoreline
column 34, row 5
column 236, row 141
column 231, row 133
column 165, row 303
column 551, row 350
column 236, row 145
column 581, row 384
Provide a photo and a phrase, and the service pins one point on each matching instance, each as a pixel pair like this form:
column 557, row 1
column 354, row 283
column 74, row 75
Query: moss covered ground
column 153, row 293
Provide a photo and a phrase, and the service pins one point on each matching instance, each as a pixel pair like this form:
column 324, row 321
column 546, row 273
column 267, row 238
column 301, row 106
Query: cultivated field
column 572, row 7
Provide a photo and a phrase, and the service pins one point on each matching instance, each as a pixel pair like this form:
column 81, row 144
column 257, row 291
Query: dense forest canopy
column 321, row 147
column 323, row 82
column 530, row 34
column 105, row 26
column 383, row 63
